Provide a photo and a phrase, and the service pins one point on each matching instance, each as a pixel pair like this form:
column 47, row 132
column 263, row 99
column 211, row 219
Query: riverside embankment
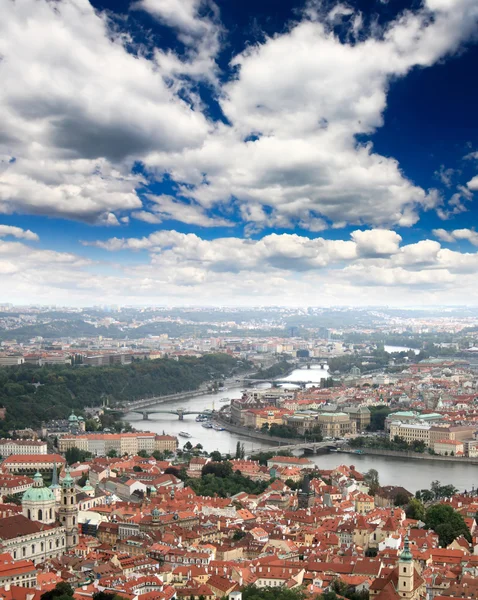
column 409, row 455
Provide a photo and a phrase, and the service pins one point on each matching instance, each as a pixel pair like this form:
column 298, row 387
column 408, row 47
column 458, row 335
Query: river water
column 411, row 474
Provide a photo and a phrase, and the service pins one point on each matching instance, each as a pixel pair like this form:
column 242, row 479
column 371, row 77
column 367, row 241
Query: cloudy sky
column 239, row 152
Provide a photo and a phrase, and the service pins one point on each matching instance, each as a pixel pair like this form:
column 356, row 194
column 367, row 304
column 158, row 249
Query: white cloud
column 166, row 207
column 376, row 242
column 199, row 29
column 82, row 104
column 80, row 189
column 473, row 184
column 296, row 106
column 443, row 235
column 18, row 232
column 457, row 234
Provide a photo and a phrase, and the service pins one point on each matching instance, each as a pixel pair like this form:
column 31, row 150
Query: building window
column 40, row 515
column 24, row 551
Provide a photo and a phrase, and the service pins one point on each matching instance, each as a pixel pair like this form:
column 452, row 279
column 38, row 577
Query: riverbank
column 255, row 435
column 409, row 455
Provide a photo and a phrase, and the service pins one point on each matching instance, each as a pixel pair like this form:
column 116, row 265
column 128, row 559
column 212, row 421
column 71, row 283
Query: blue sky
column 266, row 152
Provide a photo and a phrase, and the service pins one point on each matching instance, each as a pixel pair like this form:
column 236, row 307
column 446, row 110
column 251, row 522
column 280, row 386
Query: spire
column 54, row 477
column 406, row 555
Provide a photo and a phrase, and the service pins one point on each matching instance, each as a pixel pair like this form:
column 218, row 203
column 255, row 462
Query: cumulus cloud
column 18, row 232
column 473, row 184
column 164, row 207
column 296, row 107
column 83, row 109
column 457, row 234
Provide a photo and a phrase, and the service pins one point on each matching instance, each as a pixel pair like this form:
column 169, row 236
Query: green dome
column 72, row 418
column 88, row 487
column 80, row 419
column 155, row 512
column 38, row 494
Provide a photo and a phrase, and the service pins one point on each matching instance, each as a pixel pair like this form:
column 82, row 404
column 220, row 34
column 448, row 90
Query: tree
column 91, row 425
column 415, row 510
column 238, row 535
column 216, row 456
column 107, row 596
column 401, row 499
column 222, row 469
column 251, row 592
column 82, row 480
column 425, row 495
column 238, row 450
column 74, row 455
column 371, row 479
column 59, row 592
column 137, row 469
column 112, row 453
column 447, row 523
column 188, row 446
column 157, row 455
column 143, row 454
column 435, row 488
column 172, row 471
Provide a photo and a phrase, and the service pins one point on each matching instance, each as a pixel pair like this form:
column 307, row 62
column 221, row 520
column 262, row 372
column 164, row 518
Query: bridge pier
column 181, row 415
column 145, row 416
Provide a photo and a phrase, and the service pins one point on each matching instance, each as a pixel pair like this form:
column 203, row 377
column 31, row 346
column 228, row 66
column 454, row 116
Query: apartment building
column 9, row 447
column 411, row 432
column 431, row 434
column 100, row 444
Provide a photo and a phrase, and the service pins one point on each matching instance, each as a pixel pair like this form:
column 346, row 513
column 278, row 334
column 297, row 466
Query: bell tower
column 68, row 510
column 406, row 573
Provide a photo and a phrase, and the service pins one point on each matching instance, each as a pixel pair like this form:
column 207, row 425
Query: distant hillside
column 65, row 388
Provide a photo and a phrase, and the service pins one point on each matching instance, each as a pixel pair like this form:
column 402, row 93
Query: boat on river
column 207, row 425
column 224, row 400
column 185, row 434
column 217, row 427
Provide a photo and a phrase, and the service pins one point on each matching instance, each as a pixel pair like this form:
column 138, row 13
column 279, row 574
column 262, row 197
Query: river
column 411, row 474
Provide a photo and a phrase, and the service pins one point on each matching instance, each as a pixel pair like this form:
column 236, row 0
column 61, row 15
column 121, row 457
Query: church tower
column 68, row 511
column 406, row 572
column 306, row 496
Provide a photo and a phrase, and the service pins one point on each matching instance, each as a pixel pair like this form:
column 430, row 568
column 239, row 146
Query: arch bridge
column 178, row 411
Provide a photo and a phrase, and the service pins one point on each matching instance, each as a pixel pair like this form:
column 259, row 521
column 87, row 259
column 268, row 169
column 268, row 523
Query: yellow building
column 364, row 503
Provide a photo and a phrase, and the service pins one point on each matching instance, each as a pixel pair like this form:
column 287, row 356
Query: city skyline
column 191, row 152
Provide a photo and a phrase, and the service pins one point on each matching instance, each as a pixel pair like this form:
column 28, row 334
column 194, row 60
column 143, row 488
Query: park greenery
column 280, row 369
column 218, row 478
column 286, row 431
column 33, row 394
column 251, row 592
column 447, row 523
column 436, row 492
column 383, row 443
